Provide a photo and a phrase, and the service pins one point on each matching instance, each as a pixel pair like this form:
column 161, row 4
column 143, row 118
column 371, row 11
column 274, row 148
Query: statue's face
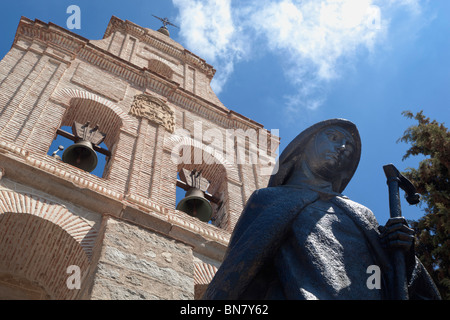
column 330, row 151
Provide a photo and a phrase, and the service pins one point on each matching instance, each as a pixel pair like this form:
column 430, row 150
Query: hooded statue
column 300, row 238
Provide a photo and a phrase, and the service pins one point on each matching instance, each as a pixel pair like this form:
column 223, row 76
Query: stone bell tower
column 66, row 233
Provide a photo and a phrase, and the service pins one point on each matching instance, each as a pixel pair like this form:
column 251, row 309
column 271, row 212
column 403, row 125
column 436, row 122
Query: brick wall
column 42, row 235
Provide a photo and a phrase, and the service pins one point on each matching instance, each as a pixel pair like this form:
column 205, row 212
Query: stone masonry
column 122, row 229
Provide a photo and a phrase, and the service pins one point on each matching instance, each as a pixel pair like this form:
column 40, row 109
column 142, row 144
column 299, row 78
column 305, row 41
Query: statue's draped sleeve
column 259, row 232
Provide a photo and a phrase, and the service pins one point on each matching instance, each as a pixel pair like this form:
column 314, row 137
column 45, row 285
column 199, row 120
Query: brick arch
column 203, row 274
column 78, row 229
column 66, row 95
column 216, row 169
column 41, row 252
column 177, row 142
column 82, row 111
column 85, row 106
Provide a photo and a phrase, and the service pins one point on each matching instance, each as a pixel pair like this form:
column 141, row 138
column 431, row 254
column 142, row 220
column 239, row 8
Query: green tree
column 432, row 140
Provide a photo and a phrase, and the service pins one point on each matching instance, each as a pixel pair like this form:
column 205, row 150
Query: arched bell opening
column 89, row 133
column 195, row 202
column 210, row 177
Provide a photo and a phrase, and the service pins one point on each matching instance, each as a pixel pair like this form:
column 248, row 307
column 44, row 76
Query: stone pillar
column 136, row 263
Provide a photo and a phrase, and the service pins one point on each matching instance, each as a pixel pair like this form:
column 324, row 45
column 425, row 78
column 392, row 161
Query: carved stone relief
column 155, row 110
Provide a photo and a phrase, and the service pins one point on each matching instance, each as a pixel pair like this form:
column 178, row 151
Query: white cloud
column 208, row 28
column 314, row 37
column 322, row 33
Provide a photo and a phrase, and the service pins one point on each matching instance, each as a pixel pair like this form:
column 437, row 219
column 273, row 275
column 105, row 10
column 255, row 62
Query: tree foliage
column 432, row 140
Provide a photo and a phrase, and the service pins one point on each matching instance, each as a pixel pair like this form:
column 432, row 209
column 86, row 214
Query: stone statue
column 300, row 238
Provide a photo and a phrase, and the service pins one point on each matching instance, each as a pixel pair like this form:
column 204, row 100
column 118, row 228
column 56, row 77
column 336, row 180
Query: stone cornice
column 50, row 33
column 79, row 47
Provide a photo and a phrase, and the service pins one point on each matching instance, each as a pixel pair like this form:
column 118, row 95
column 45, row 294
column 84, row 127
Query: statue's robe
column 296, row 243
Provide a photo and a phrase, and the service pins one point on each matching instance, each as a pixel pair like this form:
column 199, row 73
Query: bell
column 81, row 155
column 195, row 205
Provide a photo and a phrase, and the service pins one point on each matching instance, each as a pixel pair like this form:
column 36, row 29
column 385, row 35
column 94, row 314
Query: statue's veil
column 293, row 152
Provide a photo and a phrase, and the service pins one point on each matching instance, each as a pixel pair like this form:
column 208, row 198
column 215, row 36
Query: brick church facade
column 121, row 231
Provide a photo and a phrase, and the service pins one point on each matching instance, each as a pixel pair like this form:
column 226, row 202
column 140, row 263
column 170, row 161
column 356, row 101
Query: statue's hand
column 397, row 235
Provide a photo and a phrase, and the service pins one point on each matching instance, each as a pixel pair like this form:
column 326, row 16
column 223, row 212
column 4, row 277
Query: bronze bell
column 81, row 155
column 196, row 205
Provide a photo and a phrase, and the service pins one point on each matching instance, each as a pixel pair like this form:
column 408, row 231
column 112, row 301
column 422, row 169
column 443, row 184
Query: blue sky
column 289, row 64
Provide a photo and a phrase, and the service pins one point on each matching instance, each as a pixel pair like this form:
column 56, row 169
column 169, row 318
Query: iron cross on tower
column 165, row 22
